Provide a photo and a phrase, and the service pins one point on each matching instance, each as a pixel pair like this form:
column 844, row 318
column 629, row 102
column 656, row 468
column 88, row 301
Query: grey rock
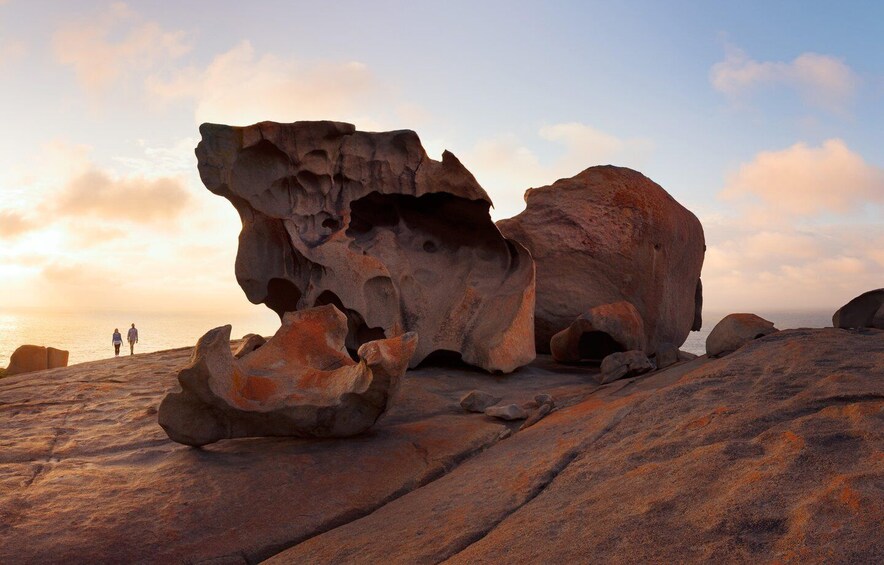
column 624, row 364
column 667, row 355
column 864, row 311
column 538, row 415
column 507, row 412
column 478, row 401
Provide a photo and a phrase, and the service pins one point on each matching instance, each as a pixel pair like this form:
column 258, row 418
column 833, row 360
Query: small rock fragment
column 478, row 401
column 250, row 342
column 686, row 355
column 507, row 412
column 624, row 364
column 544, row 399
column 537, row 416
column 667, row 355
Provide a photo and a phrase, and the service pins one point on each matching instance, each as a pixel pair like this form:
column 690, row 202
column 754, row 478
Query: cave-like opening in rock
column 595, row 346
column 282, row 296
column 358, row 332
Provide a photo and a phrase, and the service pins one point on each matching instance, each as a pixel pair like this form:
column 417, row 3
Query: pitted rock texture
column 606, row 235
column 604, row 330
column 369, row 223
column 300, row 383
column 734, row 331
column 864, row 311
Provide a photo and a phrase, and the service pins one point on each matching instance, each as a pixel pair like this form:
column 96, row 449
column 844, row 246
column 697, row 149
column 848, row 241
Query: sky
column 764, row 119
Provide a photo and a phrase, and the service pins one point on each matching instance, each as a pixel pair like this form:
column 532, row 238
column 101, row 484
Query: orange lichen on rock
column 301, row 383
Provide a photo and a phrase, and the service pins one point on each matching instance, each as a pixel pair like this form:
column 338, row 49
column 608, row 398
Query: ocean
column 87, row 336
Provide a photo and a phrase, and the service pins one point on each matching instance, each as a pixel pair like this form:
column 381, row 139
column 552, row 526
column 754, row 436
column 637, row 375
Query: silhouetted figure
column 117, row 340
column 133, row 339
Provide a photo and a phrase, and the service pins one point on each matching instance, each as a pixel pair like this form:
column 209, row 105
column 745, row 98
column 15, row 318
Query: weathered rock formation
column 368, row 222
column 300, row 383
column 29, row 358
column 606, row 235
column 602, row 330
column 864, row 311
column 734, row 331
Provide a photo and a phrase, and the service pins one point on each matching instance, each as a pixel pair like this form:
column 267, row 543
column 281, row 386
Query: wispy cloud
column 114, row 45
column 133, row 198
column 823, row 81
column 242, row 87
column 14, row 224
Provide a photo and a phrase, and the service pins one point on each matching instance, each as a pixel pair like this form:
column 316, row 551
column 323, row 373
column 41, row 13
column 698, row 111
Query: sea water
column 87, row 336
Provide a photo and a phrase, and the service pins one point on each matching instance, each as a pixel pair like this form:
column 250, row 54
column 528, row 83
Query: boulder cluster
column 601, row 268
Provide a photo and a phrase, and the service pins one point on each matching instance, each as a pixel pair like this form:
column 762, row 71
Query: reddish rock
column 734, row 331
column 370, row 223
column 771, row 454
column 27, row 359
column 606, row 235
column 300, row 383
column 87, row 475
column 864, row 311
column 599, row 332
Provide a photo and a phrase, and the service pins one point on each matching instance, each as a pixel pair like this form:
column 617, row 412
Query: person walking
column 133, row 339
column 117, row 340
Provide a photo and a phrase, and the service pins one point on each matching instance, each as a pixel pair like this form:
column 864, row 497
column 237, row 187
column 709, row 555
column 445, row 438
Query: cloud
column 506, row 167
column 14, row 224
column 11, row 51
column 805, row 181
column 823, row 81
column 98, row 59
column 134, row 198
column 242, row 87
column 786, row 268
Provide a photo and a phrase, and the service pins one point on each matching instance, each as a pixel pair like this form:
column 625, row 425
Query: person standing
column 133, row 339
column 117, row 340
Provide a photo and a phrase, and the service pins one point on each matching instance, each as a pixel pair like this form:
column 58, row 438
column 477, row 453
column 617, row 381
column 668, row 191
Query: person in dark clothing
column 117, row 340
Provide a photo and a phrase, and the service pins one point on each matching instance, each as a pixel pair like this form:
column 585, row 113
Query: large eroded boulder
column 864, row 311
column 29, row 358
column 369, row 223
column 734, row 331
column 300, row 383
column 606, row 235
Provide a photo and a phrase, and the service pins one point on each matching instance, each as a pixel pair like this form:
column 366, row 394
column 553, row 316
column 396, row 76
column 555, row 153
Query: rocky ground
column 773, row 453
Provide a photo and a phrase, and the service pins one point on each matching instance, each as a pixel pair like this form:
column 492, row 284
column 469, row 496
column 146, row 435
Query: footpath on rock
column 772, row 453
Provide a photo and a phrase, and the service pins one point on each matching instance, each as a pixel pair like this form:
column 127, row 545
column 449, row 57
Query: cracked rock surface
column 769, row 454
column 370, row 223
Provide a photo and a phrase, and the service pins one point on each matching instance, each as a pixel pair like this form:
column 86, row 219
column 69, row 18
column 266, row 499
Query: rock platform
column 773, row 453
